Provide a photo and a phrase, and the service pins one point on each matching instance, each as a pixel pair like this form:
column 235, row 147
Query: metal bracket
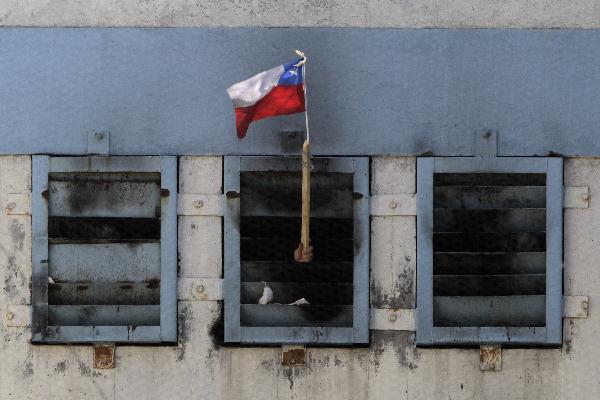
column 577, row 197
column 200, row 204
column 394, row 204
column 17, row 316
column 17, row 204
column 200, row 289
column 575, row 306
column 293, row 355
column 104, row 356
column 486, row 143
column 98, row 143
column 291, row 141
column 490, row 358
column 392, row 319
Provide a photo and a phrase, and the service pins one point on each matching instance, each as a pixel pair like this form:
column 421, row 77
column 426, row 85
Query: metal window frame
column 551, row 334
column 167, row 331
column 234, row 331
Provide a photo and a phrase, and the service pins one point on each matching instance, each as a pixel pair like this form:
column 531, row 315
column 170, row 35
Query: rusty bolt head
column 10, row 316
column 393, row 204
column 198, row 203
column 200, row 289
column 392, row 318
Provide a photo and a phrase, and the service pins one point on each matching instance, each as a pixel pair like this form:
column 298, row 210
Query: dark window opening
column 489, row 250
column 270, row 222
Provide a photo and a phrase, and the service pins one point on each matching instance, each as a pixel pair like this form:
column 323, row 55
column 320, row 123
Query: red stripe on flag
column 281, row 100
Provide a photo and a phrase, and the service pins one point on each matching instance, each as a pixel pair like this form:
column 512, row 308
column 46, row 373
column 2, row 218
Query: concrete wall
column 357, row 13
column 391, row 367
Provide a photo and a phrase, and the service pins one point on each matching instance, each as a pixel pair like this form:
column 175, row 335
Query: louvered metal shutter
column 104, row 251
column 491, row 233
column 269, row 229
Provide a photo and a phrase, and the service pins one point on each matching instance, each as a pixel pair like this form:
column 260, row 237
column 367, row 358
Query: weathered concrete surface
column 358, row 13
column 391, row 367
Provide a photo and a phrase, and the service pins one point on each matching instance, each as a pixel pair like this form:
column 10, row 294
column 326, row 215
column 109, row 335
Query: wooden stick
column 305, row 231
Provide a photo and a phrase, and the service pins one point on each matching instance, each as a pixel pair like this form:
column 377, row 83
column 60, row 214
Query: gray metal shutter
column 494, row 249
column 104, row 252
column 262, row 230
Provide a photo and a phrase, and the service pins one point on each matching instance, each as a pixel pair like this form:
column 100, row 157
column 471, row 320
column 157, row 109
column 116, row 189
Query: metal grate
column 270, row 231
column 489, row 249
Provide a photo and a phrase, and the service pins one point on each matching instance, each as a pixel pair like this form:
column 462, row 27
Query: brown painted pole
column 305, row 231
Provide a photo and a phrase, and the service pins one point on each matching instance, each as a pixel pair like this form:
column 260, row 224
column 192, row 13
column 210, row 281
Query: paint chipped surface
column 390, row 367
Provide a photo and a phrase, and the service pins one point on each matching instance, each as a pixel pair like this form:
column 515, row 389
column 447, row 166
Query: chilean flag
column 278, row 91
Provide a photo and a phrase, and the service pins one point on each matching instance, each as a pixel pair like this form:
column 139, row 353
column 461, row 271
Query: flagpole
column 305, row 255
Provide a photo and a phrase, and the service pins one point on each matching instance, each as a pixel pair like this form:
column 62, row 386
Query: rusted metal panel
column 293, row 356
column 104, row 356
column 490, row 358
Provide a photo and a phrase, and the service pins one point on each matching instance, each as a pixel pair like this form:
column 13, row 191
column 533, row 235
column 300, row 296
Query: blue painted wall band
column 372, row 91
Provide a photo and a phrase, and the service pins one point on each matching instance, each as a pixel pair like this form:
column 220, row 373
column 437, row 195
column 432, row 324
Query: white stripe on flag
column 248, row 92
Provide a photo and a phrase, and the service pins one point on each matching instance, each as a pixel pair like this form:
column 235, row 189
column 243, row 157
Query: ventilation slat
column 286, row 292
column 489, row 285
column 104, row 293
column 275, row 271
column 489, row 263
column 282, row 181
column 484, row 197
column 277, row 227
column 489, row 249
column 288, row 203
column 89, row 195
column 272, row 249
column 506, row 220
column 526, row 311
column 489, row 242
column 107, row 315
column 91, row 228
column 290, row 316
column 104, row 262
column 488, row 179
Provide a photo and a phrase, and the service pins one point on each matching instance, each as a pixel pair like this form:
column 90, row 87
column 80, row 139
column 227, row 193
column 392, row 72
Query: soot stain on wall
column 184, row 327
column 403, row 343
